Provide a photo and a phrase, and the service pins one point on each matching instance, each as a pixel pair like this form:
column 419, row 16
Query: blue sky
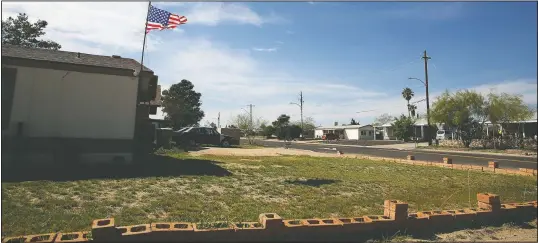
column 344, row 56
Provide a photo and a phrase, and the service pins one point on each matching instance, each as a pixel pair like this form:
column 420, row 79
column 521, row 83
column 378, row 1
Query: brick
column 416, row 222
column 72, row 237
column 396, row 210
column 105, row 229
column 168, row 231
column 437, row 217
column 410, row 157
column 41, row 238
column 250, row 230
column 271, row 221
column 463, row 214
column 447, row 160
column 14, row 239
column 488, row 198
column 493, row 164
column 487, row 206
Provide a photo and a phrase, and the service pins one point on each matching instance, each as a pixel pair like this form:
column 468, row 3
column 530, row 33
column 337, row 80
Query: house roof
column 342, row 127
column 67, row 57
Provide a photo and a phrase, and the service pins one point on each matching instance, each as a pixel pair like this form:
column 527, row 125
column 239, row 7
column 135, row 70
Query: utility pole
column 301, row 101
column 426, row 58
column 218, row 121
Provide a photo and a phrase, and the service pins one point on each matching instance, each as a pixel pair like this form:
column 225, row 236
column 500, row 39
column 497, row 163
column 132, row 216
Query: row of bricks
column 493, row 166
column 395, row 215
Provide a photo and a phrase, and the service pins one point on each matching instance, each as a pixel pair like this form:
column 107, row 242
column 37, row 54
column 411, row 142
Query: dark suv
column 192, row 136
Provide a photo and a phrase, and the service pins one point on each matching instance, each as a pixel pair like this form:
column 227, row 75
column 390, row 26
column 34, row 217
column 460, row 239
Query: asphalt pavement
column 457, row 158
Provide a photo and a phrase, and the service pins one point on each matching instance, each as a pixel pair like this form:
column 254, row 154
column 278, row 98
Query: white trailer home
column 57, row 101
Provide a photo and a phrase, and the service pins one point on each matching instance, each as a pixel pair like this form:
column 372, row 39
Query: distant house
column 349, row 132
column 67, row 101
column 527, row 128
column 418, row 130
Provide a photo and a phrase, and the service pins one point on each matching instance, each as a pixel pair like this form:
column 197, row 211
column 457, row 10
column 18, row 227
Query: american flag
column 159, row 19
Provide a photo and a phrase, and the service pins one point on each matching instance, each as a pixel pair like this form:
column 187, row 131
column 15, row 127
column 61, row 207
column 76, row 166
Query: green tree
column 181, row 104
column 19, row 31
column 353, row 122
column 268, row 131
column 281, row 126
column 403, row 127
column 408, row 94
column 463, row 110
column 504, row 108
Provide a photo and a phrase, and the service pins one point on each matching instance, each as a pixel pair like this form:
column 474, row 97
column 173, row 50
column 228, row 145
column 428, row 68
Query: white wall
column 352, row 133
column 318, row 133
column 54, row 103
column 368, row 133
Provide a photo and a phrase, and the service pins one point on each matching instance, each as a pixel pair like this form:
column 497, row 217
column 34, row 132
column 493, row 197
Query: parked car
column 330, row 136
column 192, row 136
column 443, row 134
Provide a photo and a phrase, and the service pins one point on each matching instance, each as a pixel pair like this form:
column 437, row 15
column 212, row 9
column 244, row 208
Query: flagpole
column 137, row 129
column 144, row 43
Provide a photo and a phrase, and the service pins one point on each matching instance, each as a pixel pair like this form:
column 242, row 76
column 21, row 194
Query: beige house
column 67, row 101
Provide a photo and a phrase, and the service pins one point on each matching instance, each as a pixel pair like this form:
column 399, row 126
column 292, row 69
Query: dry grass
column 180, row 187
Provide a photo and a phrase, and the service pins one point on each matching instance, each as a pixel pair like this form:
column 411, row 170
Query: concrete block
column 250, row 231
column 105, row 229
column 410, row 157
column 14, row 239
column 488, row 198
column 41, row 238
column 396, row 210
column 73, row 237
column 356, row 224
column 487, row 206
column 213, row 231
column 483, row 216
column 493, row 164
column 271, row 221
column 416, row 222
column 437, row 216
column 172, row 230
column 465, row 215
column 447, row 160
column 135, row 232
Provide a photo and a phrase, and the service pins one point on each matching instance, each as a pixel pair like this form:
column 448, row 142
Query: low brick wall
column 447, row 163
column 271, row 227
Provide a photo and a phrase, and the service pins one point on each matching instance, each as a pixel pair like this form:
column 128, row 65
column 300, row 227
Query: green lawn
column 176, row 187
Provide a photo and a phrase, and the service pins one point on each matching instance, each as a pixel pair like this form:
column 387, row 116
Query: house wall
column 388, row 133
column 368, row 133
column 352, row 133
column 318, row 133
column 67, row 104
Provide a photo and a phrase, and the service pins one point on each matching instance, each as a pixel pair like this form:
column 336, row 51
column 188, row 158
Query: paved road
column 457, row 158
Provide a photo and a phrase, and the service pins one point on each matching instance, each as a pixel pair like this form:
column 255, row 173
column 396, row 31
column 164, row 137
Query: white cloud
column 218, row 13
column 96, row 27
column 272, row 49
column 118, row 27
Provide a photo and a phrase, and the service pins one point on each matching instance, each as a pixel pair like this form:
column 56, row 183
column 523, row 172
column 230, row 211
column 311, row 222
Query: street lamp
column 427, row 107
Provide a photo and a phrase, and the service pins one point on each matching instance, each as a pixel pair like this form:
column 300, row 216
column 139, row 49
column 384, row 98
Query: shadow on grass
column 152, row 166
column 312, row 182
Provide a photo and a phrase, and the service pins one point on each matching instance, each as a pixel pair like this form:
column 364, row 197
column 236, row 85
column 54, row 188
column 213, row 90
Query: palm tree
column 407, row 94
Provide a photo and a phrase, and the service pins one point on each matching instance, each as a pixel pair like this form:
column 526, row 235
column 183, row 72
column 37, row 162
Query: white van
column 444, row 134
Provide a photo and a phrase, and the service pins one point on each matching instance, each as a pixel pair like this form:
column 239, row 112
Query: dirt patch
column 504, row 233
column 258, row 152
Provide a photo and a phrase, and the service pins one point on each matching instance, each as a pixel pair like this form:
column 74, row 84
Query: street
column 434, row 156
